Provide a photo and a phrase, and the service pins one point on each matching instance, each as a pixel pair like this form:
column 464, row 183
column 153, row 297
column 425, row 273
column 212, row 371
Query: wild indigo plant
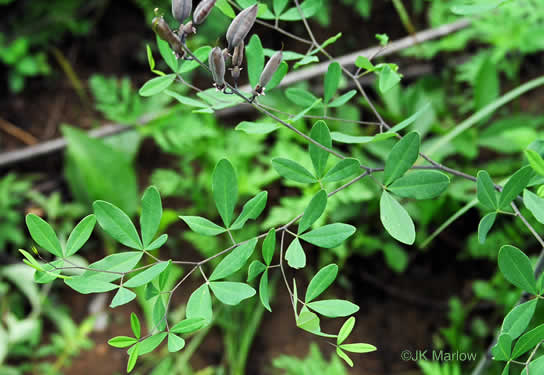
column 282, row 248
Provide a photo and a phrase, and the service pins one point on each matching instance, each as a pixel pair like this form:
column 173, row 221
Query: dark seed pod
column 240, row 26
column 238, row 54
column 181, row 9
column 164, row 32
column 202, row 11
column 217, row 66
column 269, row 70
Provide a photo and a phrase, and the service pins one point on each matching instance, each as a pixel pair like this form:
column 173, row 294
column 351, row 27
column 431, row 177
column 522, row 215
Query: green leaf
column 473, row 8
column 133, row 357
column 201, row 53
column 343, row 99
column 167, row 54
column 396, row 220
column 122, row 297
column 234, row 261
column 401, row 158
column 189, row 325
column 255, row 269
column 43, row 234
column 175, row 343
column 334, row 308
column 302, row 113
column 263, row 291
column 96, row 171
column 135, row 325
column 358, row 348
column 150, row 58
column 255, row 59
column 420, row 185
column 231, row 293
column 528, row 341
column 164, row 277
column 308, row 321
column 330, row 235
column 295, row 256
column 332, row 80
column 186, row 100
column 518, row 319
column 503, row 348
column 515, row 185
column 113, row 265
column 159, row 314
column 277, row 77
column 122, row 341
column 147, row 275
column 314, row 211
column 256, row 127
column 485, row 226
column 156, row 85
column 225, row 190
column 354, row 139
column 516, row 268
column 321, row 281
column 346, row 329
column 150, row 343
column 80, row 234
column 269, row 246
column 279, row 6
column 300, row 97
column 308, row 8
column 535, row 367
column 151, row 214
column 202, row 225
column 486, row 190
column 150, row 291
column 344, row 169
column 161, row 240
column 487, row 84
column 225, row 8
column 364, row 63
column 83, row 286
column 252, row 209
column 117, row 224
column 407, row 122
column 536, row 161
column 388, row 78
column 535, row 204
column 344, row 356
column 320, row 133
column 292, row 170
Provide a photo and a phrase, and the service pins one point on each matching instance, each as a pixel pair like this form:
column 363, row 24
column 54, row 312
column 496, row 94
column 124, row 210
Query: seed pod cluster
column 217, row 66
column 164, row 32
column 268, row 72
column 181, row 9
column 241, row 25
column 202, row 11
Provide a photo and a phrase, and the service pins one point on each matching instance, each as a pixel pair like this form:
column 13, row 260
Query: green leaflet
column 234, row 260
column 401, row 158
column 231, row 293
column 396, row 220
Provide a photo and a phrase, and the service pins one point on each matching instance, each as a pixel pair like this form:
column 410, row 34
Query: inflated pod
column 240, row 26
column 217, row 66
column 181, row 9
column 238, row 54
column 202, row 11
column 164, row 32
column 270, row 68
